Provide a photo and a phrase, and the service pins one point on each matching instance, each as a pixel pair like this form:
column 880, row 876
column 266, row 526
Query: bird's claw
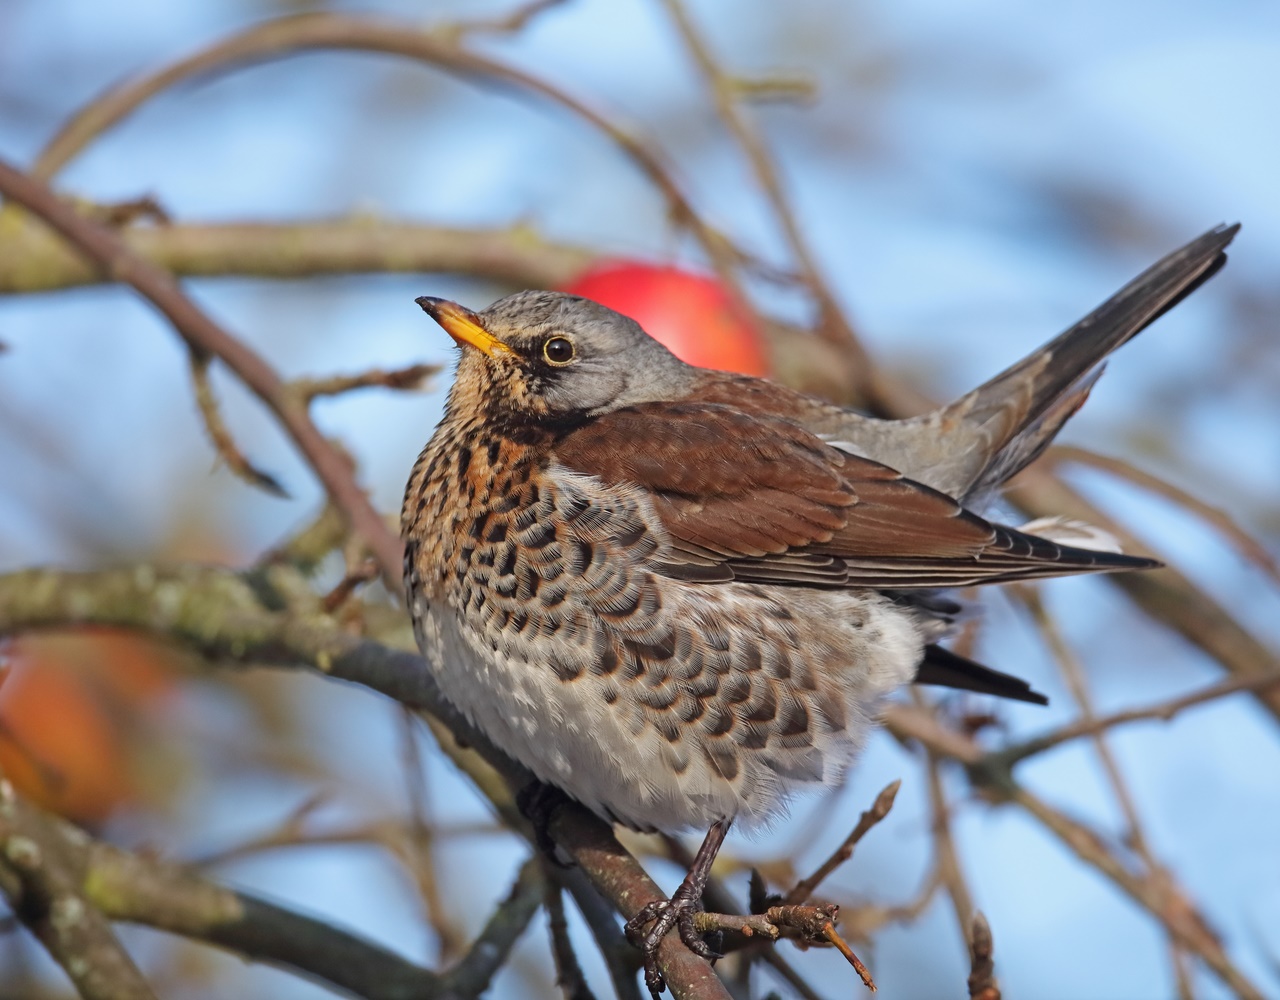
column 536, row 802
column 654, row 921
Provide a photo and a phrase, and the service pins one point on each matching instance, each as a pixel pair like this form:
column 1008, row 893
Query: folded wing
column 752, row 497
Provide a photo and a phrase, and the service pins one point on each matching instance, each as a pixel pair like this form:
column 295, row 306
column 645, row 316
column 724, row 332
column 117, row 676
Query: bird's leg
column 662, row 914
column 537, row 801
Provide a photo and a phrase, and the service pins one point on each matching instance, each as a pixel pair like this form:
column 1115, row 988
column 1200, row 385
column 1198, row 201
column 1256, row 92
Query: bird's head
column 550, row 357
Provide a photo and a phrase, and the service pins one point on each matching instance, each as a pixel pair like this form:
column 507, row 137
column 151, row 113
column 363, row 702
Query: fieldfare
column 679, row 595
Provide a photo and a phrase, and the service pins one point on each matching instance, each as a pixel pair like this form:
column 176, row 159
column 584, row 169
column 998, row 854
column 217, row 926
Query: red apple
column 71, row 716
column 691, row 314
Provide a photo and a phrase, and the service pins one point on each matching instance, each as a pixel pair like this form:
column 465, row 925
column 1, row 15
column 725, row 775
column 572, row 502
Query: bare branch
column 204, row 335
column 1168, row 596
column 33, row 260
column 1163, row 711
column 871, row 387
column 489, row 952
column 418, row 843
column 982, row 968
column 1154, row 892
column 216, row 613
column 946, row 857
column 569, row 975
column 223, row 443
column 1071, row 670
column 878, row 811
column 1248, row 546
column 38, row 875
column 408, row 379
column 308, row 547
column 439, row 48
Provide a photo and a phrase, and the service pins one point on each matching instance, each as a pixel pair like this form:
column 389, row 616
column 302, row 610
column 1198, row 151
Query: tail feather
column 1018, row 412
column 947, row 669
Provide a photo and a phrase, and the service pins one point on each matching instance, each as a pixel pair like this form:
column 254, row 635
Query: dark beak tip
column 430, row 304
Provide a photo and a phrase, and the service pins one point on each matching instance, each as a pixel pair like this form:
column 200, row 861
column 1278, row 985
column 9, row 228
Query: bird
column 680, row 596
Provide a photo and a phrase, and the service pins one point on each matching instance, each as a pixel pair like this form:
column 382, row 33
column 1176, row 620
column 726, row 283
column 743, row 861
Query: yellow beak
column 462, row 325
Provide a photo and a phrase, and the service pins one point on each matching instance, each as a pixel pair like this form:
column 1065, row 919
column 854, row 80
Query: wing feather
column 753, row 496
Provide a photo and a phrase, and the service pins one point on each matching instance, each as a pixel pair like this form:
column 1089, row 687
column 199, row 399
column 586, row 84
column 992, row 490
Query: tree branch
column 169, row 897
column 218, row 614
column 110, row 253
column 34, row 260
column 38, row 874
column 869, row 387
column 439, row 47
column 869, row 818
column 1162, row 711
column 982, row 966
column 1153, row 892
column 1245, row 543
column 488, row 953
column 1168, row 596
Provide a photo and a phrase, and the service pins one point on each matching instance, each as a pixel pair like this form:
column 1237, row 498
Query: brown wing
column 748, row 496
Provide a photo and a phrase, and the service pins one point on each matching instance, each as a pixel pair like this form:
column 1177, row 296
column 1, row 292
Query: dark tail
column 948, row 669
column 1024, row 407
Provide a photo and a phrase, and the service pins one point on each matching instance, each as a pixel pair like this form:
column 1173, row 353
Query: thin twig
column 1248, row 546
column 1181, row 972
column 982, row 966
column 388, row 834
column 220, row 436
column 946, row 856
column 569, row 977
column 878, row 811
column 488, row 953
column 420, row 839
column 307, row 548
column 1168, row 597
column 409, row 379
column 620, row 957
column 1073, row 673
column 204, row 335
column 510, row 23
column 832, row 325
column 350, row 582
column 842, row 946
column 1162, row 711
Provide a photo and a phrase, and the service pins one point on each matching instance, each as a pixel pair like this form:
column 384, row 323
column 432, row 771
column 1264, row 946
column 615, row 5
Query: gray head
column 554, row 355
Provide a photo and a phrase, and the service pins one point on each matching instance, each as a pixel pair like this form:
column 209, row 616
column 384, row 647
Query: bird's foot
column 648, row 927
column 537, row 802
column 655, row 920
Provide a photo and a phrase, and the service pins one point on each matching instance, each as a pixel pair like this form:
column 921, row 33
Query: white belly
column 832, row 658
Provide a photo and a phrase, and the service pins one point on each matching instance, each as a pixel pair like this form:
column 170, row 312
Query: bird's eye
column 558, row 350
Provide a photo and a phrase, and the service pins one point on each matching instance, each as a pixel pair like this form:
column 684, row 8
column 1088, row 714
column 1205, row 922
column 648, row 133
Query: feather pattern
column 783, row 506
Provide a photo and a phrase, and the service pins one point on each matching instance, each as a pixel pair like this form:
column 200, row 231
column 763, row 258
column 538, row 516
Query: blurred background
column 970, row 178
